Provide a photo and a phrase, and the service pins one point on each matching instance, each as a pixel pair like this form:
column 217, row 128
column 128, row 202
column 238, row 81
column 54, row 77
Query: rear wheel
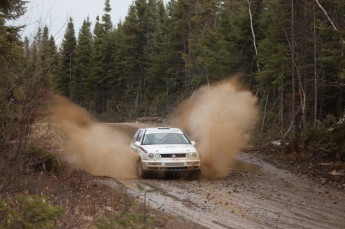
column 140, row 171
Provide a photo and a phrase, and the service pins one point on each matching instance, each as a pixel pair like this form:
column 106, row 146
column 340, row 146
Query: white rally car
column 164, row 149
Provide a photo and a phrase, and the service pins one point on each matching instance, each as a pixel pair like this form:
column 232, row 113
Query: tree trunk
column 282, row 108
column 293, row 71
column 315, row 71
column 253, row 32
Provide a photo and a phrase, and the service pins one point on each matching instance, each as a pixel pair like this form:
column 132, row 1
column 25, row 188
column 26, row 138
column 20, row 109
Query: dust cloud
column 97, row 148
column 220, row 118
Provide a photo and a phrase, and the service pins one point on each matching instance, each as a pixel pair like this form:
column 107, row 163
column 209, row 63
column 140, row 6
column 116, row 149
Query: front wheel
column 141, row 173
column 195, row 175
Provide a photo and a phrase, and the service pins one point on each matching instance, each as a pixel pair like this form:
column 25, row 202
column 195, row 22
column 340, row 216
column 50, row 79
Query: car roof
column 163, row 130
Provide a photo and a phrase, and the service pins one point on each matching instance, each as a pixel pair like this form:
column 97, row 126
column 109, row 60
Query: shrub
column 39, row 159
column 28, row 211
column 327, row 139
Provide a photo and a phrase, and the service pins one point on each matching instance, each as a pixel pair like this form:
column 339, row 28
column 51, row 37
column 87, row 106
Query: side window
column 136, row 136
column 140, row 135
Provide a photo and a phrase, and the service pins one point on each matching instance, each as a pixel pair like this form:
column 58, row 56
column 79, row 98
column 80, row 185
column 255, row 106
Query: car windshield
column 165, row 138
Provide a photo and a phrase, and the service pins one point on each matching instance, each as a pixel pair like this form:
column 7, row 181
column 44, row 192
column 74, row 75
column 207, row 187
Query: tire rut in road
column 266, row 198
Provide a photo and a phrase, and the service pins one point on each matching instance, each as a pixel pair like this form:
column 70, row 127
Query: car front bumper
column 171, row 165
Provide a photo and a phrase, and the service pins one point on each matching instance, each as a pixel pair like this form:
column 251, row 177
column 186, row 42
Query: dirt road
column 255, row 194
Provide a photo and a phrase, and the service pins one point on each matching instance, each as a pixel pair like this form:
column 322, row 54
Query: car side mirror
column 137, row 144
column 193, row 143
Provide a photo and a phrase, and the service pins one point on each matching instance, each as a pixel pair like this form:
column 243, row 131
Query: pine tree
column 102, row 59
column 153, row 73
column 330, row 57
column 41, row 56
column 274, row 56
column 155, row 50
column 210, row 52
column 53, row 53
column 66, row 69
column 48, row 57
column 130, row 51
column 106, row 18
column 177, row 46
column 83, row 63
column 22, row 87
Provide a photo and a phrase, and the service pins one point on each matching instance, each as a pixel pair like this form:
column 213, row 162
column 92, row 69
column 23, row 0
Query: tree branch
column 325, row 12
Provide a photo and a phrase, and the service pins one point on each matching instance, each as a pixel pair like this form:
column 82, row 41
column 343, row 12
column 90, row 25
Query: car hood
column 169, row 148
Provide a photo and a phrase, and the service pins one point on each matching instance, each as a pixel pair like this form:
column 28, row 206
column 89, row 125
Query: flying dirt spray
column 97, row 148
column 219, row 118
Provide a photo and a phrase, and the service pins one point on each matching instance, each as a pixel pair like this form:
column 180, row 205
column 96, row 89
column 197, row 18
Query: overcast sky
column 56, row 13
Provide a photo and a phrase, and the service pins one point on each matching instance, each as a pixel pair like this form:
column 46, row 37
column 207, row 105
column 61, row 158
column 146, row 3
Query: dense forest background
column 290, row 54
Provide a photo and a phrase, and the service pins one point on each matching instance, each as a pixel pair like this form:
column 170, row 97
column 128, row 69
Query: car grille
column 174, row 168
column 175, row 164
column 170, row 155
column 181, row 168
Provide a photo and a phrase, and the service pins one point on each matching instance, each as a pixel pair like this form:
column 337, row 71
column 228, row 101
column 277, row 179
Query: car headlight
column 150, row 155
column 194, row 155
column 188, row 155
column 157, row 156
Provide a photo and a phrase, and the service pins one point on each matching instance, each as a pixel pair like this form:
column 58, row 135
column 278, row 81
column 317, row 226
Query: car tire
column 141, row 173
column 195, row 175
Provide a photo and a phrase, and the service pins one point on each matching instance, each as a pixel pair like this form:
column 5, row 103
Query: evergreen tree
column 11, row 82
column 159, row 54
column 11, row 52
column 41, row 56
column 93, row 84
column 53, row 53
column 213, row 49
column 155, row 51
column 9, row 36
column 102, row 55
column 66, row 69
column 106, row 18
column 23, row 88
column 48, row 56
column 118, row 71
column 131, row 54
column 330, row 58
column 82, row 81
column 177, row 46
column 275, row 61
column 140, row 57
